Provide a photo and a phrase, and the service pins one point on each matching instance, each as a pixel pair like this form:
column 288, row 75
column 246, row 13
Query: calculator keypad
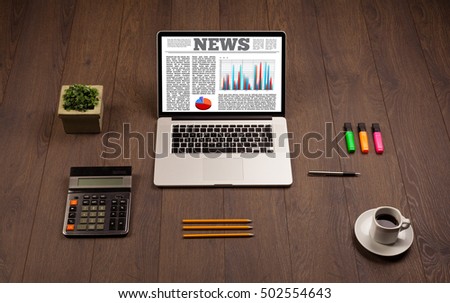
column 97, row 214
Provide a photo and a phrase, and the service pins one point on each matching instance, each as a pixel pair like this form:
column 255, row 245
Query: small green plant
column 80, row 98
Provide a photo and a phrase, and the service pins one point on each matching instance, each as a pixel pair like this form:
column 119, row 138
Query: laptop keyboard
column 224, row 138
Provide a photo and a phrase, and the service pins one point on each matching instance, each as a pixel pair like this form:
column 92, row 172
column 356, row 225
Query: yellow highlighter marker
column 363, row 139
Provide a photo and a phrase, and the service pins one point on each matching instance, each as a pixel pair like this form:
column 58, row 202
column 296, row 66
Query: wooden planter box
column 76, row 122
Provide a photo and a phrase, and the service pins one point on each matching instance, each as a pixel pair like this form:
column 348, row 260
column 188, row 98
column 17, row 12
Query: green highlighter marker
column 349, row 137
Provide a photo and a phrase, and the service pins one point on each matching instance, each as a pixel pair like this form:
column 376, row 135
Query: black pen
column 333, row 173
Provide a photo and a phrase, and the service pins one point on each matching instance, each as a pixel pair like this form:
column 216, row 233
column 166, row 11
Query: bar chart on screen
column 246, row 74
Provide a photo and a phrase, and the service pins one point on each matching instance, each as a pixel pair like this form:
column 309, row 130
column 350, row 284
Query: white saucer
column 362, row 226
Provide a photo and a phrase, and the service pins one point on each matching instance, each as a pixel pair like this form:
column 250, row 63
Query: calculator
column 98, row 201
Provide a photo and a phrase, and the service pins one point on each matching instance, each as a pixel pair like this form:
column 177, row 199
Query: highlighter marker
column 377, row 140
column 349, row 138
column 363, row 140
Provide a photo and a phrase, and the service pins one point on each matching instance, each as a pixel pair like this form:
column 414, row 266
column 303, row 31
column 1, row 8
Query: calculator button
column 114, row 201
column 85, row 202
column 81, row 227
column 112, row 224
column 100, row 226
column 71, row 221
column 101, row 220
column 92, row 220
column 102, row 207
column 94, row 202
column 93, row 214
column 85, row 208
column 114, row 208
column 113, row 214
column 72, row 215
column 122, row 207
column 101, row 213
column 83, row 221
column 91, row 226
column 70, row 227
column 74, row 202
column 84, row 214
column 94, row 197
column 94, row 208
column 102, row 196
column 121, row 224
column 122, row 214
column 123, row 201
column 72, row 208
column 86, row 196
column 102, row 202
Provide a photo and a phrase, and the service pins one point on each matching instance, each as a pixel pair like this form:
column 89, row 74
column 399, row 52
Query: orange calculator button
column 73, row 202
column 70, row 227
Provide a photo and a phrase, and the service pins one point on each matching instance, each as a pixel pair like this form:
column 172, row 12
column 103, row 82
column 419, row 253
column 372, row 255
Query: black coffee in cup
column 386, row 220
column 387, row 223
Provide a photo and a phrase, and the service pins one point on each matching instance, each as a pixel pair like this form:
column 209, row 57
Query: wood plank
column 26, row 124
column 356, row 96
column 12, row 16
column 91, row 59
column 320, row 232
column 203, row 15
column 432, row 22
column 243, row 15
column 135, row 258
column 421, row 139
column 191, row 260
column 264, row 258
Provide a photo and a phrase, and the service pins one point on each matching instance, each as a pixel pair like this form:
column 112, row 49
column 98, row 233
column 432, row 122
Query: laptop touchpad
column 223, row 169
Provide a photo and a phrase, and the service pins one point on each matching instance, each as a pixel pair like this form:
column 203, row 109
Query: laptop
column 221, row 109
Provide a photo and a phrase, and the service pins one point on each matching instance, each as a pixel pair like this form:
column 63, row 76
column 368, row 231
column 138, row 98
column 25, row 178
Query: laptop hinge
column 243, row 117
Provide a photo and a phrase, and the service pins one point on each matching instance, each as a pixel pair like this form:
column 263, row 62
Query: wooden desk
column 357, row 61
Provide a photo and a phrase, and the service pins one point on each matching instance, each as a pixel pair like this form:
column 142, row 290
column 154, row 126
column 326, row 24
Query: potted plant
column 81, row 108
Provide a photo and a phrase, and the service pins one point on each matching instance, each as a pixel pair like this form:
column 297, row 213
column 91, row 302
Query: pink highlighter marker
column 377, row 140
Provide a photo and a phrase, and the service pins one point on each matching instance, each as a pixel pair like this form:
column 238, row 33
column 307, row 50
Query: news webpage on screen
column 221, row 74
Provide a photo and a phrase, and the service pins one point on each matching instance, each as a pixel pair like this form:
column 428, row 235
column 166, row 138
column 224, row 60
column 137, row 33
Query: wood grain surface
column 379, row 61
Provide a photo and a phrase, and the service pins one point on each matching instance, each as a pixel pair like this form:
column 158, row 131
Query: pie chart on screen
column 203, row 103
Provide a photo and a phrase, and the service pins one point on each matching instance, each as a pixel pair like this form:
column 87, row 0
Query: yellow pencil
column 217, row 221
column 233, row 235
column 205, row 227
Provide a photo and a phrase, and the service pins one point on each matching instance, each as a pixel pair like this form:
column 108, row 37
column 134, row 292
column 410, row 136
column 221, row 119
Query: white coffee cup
column 387, row 223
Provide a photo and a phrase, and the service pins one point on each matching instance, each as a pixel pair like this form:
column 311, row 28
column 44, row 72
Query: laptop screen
column 221, row 73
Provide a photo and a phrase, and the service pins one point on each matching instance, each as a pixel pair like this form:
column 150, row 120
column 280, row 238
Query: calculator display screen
column 100, row 181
